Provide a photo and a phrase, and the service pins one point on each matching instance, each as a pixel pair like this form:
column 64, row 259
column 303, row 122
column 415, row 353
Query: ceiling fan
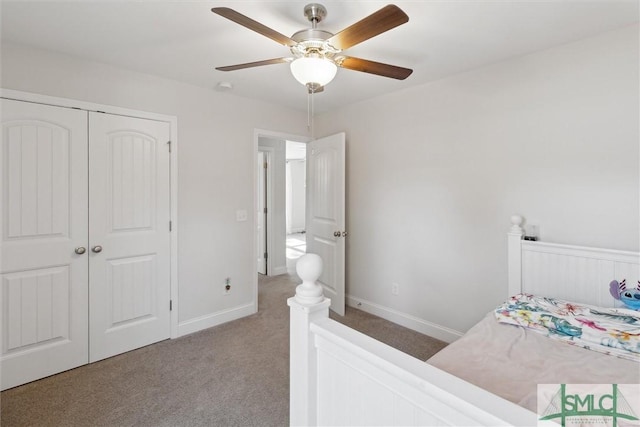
column 318, row 53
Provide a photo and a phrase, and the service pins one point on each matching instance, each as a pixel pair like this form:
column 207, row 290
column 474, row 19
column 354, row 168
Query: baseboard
column 215, row 319
column 420, row 325
column 278, row 271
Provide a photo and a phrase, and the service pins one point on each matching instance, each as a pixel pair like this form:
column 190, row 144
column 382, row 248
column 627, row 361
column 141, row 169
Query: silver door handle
column 336, row 234
column 344, row 234
column 80, row 250
column 97, row 249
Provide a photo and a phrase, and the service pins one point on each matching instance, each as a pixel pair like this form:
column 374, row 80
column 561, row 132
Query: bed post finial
column 516, row 224
column 307, row 306
column 309, row 269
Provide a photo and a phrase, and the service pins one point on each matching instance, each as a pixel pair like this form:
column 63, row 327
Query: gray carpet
column 236, row 374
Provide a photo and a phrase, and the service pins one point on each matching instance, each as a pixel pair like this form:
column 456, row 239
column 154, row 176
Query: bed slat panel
column 572, row 278
column 361, row 381
column 349, row 396
column 573, row 273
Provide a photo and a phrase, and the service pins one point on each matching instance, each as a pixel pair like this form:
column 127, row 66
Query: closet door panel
column 129, row 236
column 44, row 290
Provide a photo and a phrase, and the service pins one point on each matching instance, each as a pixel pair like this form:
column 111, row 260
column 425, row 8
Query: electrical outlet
column 395, row 289
column 227, row 286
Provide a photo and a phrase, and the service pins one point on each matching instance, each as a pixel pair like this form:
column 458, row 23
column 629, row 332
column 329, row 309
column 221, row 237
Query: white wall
column 296, row 198
column 434, row 172
column 216, row 167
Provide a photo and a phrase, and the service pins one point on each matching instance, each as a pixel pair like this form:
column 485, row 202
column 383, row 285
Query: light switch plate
column 241, row 215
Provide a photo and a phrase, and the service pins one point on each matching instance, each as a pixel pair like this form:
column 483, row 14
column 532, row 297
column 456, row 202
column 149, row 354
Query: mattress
column 510, row 361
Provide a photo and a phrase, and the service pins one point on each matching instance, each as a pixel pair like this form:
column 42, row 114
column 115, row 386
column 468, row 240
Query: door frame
column 173, row 171
column 257, row 134
column 268, row 204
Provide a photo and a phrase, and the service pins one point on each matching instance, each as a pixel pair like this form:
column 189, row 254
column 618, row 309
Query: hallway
column 296, row 247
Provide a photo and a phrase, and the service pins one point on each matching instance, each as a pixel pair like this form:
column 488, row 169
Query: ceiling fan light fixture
column 313, row 71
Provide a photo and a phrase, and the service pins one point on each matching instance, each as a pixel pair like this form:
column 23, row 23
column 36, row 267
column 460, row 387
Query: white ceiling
column 184, row 40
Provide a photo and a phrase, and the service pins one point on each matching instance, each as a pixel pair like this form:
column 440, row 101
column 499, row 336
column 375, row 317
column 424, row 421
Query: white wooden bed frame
column 342, row 377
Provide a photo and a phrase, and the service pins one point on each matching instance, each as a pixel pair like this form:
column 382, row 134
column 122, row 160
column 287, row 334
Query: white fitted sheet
column 510, row 361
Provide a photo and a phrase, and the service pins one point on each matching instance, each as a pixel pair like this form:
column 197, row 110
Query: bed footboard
column 342, row 377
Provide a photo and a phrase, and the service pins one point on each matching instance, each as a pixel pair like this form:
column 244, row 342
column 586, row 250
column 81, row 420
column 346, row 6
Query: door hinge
column 170, row 305
column 169, row 144
column 266, row 255
column 265, row 210
column 170, row 225
column 265, row 165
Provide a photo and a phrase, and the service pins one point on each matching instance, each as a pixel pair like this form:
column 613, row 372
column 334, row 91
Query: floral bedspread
column 614, row 331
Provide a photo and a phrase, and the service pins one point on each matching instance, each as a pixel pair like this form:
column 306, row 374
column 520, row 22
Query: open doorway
column 279, row 156
column 295, row 195
column 324, row 208
column 261, row 214
column 324, row 227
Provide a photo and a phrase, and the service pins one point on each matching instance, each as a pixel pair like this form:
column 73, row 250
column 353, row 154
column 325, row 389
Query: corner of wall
column 214, row 319
column 420, row 325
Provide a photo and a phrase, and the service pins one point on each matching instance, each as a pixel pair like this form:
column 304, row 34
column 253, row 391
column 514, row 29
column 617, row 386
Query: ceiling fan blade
column 378, row 22
column 373, row 67
column 245, row 21
column 254, row 64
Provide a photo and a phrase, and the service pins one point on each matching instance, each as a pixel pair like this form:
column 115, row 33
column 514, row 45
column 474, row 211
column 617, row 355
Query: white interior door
column 129, row 239
column 325, row 211
column 44, row 297
column 261, row 215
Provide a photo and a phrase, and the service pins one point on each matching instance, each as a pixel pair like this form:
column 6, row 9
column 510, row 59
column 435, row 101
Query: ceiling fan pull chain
column 309, row 111
column 312, row 116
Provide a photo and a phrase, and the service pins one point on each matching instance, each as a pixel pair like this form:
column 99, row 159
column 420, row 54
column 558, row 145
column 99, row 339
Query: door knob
column 80, row 250
column 97, row 249
column 336, row 234
column 344, row 234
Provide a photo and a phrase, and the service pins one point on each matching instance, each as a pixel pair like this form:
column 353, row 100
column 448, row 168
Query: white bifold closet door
column 129, row 224
column 85, row 238
column 44, row 219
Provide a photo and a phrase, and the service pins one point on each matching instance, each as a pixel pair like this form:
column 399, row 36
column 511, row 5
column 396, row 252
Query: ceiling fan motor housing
column 315, row 12
column 312, row 41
